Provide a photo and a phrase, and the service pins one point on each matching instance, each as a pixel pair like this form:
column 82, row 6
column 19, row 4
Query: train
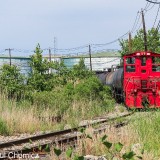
column 137, row 81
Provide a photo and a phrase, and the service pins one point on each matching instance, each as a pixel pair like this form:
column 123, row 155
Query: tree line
column 137, row 42
column 45, row 76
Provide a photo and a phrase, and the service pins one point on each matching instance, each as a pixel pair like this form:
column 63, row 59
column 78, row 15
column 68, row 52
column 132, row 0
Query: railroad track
column 40, row 142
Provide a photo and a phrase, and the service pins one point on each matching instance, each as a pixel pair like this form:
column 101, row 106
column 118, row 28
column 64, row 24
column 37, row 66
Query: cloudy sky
column 24, row 23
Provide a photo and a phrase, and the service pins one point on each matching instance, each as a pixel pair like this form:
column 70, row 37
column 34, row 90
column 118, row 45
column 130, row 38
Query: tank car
column 137, row 82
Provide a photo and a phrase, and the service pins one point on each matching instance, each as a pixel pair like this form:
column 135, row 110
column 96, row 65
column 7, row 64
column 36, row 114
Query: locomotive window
column 155, row 68
column 130, row 68
column 143, row 61
column 130, row 60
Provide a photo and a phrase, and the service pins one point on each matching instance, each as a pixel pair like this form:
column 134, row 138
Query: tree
column 80, row 71
column 153, row 42
column 40, row 79
column 12, row 81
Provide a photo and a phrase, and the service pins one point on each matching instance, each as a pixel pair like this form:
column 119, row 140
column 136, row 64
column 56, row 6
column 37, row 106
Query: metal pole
column 10, row 60
column 144, row 32
column 90, row 57
column 50, row 55
column 55, row 45
column 130, row 43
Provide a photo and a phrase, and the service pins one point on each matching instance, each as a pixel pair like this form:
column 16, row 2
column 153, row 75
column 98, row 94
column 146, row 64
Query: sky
column 25, row 23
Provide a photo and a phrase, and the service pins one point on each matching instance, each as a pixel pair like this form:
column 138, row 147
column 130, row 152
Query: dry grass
column 94, row 146
column 27, row 118
column 22, row 120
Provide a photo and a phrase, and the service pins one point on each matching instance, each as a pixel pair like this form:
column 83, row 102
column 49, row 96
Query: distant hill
column 106, row 54
column 100, row 54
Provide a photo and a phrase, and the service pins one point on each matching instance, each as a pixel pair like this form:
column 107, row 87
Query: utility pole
column 50, row 59
column 90, row 57
column 130, row 43
column 55, row 45
column 144, row 31
column 9, row 49
column 50, row 55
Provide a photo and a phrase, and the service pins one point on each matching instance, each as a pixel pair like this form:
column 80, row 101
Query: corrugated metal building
column 98, row 63
column 21, row 62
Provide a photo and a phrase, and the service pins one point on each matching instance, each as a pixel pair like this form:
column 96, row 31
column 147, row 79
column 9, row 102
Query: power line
column 147, row 5
column 137, row 19
column 69, row 49
column 149, row 8
column 156, row 16
column 153, row 2
column 105, row 50
column 136, row 22
column 104, row 44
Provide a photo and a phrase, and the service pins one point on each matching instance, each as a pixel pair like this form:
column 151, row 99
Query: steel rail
column 57, row 133
column 54, row 135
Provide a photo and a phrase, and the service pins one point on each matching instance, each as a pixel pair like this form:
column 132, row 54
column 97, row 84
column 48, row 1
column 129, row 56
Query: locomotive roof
column 142, row 53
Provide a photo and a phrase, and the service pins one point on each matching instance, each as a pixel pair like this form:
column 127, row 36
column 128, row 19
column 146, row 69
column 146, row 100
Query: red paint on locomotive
column 141, row 83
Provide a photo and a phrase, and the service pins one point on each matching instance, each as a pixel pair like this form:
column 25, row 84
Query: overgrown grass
column 45, row 101
column 146, row 125
column 92, row 144
column 49, row 111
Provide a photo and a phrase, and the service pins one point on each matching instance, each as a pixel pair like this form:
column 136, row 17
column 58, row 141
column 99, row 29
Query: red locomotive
column 137, row 83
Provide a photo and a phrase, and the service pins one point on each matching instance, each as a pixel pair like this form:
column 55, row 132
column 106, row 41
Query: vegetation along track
column 39, row 142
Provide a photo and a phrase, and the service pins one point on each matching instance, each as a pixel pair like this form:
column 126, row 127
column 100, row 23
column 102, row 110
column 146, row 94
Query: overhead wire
column 93, row 45
column 153, row 2
column 104, row 44
column 147, row 5
column 69, row 49
column 136, row 22
column 150, row 8
column 137, row 19
column 156, row 16
column 134, row 28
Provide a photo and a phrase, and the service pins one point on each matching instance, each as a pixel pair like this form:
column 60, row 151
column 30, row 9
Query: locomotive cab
column 141, row 82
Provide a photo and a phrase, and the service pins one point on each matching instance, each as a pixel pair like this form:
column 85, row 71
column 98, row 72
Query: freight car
column 137, row 82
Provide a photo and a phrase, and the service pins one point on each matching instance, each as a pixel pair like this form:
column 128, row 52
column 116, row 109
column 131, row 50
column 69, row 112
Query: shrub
column 57, row 100
column 12, row 81
column 3, row 128
column 89, row 88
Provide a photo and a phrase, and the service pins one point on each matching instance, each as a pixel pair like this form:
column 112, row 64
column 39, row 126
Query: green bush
column 59, row 100
column 89, row 88
column 12, row 82
column 3, row 128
